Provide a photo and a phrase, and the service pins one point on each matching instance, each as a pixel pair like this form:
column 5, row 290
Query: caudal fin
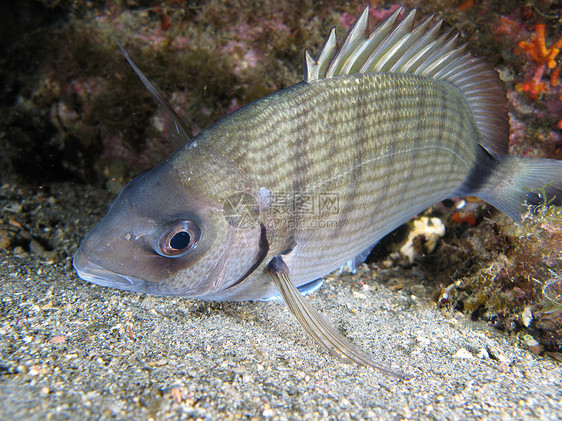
column 517, row 182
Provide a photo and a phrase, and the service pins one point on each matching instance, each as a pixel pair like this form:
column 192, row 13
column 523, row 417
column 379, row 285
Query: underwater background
column 475, row 313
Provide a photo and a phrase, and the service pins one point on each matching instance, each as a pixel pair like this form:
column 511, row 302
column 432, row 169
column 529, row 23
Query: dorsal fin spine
column 390, row 46
column 424, row 55
column 356, row 35
column 327, row 53
column 436, row 58
column 371, row 42
column 179, row 119
column 386, row 43
column 441, row 63
column 414, row 40
column 403, row 32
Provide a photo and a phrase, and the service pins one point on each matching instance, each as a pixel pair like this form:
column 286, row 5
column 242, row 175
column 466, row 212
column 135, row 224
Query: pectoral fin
column 321, row 330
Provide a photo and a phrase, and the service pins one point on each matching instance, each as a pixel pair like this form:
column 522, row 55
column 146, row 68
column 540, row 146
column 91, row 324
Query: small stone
column 536, row 349
column 423, row 340
column 452, row 321
column 503, row 367
column 267, row 412
column 20, row 251
column 463, row 353
column 534, row 346
column 527, row 317
column 460, row 204
column 483, row 354
column 406, row 412
column 496, row 354
column 176, row 394
column 5, row 239
column 388, row 263
column 14, row 208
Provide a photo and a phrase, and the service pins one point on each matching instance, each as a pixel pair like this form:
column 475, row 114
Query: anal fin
column 311, row 287
column 317, row 326
column 354, row 263
column 305, row 289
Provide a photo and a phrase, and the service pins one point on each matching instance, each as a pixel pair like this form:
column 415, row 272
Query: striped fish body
column 346, row 160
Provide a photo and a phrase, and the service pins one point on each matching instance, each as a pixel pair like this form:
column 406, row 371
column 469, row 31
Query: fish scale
column 295, row 185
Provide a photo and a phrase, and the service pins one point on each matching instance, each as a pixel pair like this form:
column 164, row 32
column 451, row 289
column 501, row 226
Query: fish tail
column 516, row 183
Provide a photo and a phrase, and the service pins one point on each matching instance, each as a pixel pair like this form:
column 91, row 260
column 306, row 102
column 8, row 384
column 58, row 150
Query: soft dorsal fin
column 180, row 121
column 421, row 50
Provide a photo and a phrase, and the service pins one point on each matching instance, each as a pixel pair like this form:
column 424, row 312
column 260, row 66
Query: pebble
column 534, row 346
column 463, row 353
column 496, row 354
column 483, row 354
column 423, row 340
column 527, row 316
column 5, row 239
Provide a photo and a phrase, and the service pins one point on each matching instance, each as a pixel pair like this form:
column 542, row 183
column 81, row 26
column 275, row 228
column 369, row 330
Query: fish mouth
column 96, row 274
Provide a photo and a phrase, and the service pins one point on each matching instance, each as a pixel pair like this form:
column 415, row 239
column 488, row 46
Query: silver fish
column 295, row 185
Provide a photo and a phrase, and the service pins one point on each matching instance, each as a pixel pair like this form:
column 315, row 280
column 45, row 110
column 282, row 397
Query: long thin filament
column 321, row 330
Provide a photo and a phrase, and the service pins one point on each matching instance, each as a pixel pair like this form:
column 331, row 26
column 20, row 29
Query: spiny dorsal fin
column 402, row 48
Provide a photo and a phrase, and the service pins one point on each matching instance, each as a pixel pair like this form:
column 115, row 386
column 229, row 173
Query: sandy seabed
column 71, row 350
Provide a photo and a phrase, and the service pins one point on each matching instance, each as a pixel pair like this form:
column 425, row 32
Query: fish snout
column 92, row 272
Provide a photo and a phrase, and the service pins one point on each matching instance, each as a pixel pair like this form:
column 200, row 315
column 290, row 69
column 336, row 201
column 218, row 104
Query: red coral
column 544, row 58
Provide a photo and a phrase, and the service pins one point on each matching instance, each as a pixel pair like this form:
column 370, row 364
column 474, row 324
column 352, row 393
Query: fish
column 287, row 189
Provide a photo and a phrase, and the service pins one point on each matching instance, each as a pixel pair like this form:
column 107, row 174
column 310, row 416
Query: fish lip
column 96, row 274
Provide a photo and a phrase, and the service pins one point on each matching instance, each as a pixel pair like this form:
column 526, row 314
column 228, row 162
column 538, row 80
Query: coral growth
column 509, row 275
column 544, row 59
column 529, row 41
column 543, row 72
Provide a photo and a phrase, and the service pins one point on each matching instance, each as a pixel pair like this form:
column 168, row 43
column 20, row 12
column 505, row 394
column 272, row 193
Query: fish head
column 166, row 236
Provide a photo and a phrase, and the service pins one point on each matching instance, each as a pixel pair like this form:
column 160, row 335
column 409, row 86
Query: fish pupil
column 180, row 240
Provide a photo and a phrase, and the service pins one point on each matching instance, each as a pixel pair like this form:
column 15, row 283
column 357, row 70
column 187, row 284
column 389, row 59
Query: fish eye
column 178, row 239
